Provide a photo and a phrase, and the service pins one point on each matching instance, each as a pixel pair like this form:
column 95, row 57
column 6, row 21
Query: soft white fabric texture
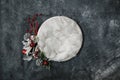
column 60, row 38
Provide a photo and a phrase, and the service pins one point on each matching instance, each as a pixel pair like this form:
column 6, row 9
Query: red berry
column 32, row 44
column 24, row 51
column 45, row 62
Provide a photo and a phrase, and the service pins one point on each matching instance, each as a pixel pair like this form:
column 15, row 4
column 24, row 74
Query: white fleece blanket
column 60, row 38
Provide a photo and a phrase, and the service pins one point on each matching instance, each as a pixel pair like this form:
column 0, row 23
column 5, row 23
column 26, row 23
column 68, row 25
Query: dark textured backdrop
column 99, row 58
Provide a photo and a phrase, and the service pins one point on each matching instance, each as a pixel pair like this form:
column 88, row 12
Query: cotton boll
column 60, row 38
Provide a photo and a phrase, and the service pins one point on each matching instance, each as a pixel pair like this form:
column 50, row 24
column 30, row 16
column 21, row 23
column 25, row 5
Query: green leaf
column 42, row 55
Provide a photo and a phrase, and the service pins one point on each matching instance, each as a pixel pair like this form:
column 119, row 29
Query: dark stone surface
column 99, row 58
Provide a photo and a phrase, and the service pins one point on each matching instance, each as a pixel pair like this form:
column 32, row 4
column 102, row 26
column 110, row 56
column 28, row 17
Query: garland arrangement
column 31, row 49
